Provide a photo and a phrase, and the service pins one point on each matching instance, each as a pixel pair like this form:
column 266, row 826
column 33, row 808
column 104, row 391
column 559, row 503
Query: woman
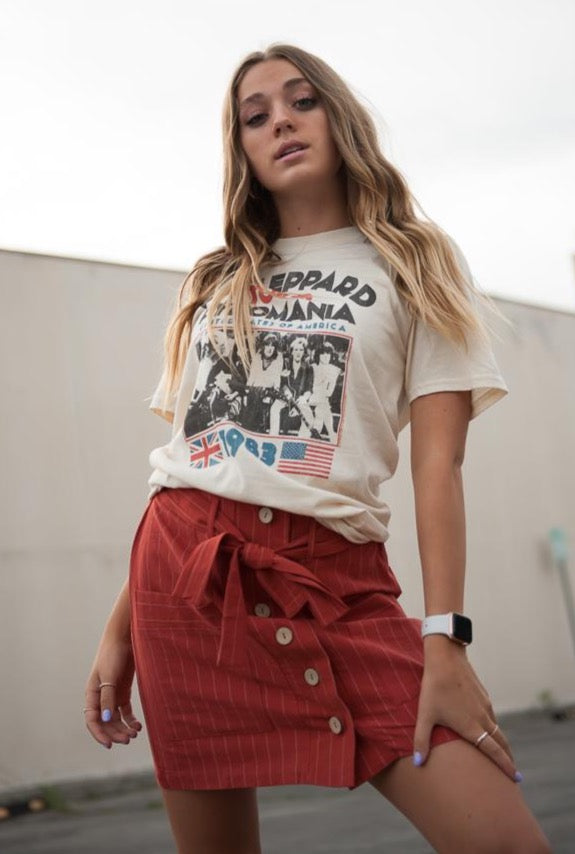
column 261, row 611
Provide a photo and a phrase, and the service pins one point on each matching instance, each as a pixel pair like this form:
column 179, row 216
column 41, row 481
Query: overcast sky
column 110, row 141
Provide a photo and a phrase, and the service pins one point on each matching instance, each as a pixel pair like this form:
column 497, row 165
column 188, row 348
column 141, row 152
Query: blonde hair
column 422, row 258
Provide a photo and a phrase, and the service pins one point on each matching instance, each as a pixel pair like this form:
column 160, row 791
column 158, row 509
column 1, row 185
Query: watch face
column 462, row 628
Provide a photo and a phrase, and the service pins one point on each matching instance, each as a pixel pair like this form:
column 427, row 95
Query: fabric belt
column 289, row 584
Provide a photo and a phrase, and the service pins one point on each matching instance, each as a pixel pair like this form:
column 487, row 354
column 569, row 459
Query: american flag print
column 205, row 451
column 310, row 458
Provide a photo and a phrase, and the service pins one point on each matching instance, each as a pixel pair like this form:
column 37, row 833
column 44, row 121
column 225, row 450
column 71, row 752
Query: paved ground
column 299, row 819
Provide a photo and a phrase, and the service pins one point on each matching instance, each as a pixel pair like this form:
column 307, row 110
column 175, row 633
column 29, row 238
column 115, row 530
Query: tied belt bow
column 289, row 584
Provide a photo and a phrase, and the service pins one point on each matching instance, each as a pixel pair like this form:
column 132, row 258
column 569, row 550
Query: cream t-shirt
column 312, row 428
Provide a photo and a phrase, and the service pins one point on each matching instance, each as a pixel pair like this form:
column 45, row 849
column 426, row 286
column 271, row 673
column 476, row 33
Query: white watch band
column 437, row 624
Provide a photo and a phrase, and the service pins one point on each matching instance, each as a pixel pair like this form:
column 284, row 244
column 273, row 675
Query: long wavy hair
column 420, row 255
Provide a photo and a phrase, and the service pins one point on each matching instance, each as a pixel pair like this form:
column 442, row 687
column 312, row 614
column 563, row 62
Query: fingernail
column 107, row 746
column 106, row 715
column 417, row 758
column 518, row 776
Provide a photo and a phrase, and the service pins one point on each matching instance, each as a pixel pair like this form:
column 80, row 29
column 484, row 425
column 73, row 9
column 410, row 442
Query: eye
column 255, row 119
column 305, row 103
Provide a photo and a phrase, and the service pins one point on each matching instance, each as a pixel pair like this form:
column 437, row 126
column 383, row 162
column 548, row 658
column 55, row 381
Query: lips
column 288, row 148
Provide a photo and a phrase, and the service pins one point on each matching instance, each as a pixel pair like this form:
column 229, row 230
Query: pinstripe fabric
column 268, row 652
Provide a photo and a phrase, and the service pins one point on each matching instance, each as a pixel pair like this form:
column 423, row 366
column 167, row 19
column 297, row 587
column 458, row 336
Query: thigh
column 460, row 801
column 214, row 821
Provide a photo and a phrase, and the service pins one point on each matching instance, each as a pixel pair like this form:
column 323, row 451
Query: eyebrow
column 289, row 84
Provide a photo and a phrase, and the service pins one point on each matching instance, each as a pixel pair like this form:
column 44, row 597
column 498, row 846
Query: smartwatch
column 455, row 626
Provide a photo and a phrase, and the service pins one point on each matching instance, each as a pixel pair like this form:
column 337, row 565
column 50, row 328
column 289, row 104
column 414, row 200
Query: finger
column 92, row 712
column 110, row 715
column 129, row 717
column 95, row 727
column 107, row 700
column 92, row 693
column 110, row 732
column 107, row 734
column 492, row 749
column 101, row 697
column 111, row 723
column 493, row 730
column 501, row 741
column 118, row 731
column 421, row 739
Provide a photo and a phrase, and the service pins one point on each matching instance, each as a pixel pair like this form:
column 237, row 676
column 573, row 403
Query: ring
column 494, row 730
column 481, row 738
column 90, row 709
column 104, row 684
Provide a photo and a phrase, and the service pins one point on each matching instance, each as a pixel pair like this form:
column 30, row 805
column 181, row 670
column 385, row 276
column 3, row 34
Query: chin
column 305, row 181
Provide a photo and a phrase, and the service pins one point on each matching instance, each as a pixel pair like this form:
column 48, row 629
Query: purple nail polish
column 106, row 715
column 518, row 776
column 417, row 758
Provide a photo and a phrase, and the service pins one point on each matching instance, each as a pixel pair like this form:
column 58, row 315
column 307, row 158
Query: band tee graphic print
column 288, row 409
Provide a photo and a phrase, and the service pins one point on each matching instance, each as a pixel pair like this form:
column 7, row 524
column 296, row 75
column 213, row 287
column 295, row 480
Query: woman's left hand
column 452, row 695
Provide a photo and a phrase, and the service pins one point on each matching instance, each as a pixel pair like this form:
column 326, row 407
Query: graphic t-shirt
column 312, row 427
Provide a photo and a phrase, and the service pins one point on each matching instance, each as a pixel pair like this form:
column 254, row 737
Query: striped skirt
column 269, row 649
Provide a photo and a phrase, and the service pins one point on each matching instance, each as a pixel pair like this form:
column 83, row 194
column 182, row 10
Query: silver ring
column 481, row 738
column 494, row 730
column 104, row 684
column 91, row 709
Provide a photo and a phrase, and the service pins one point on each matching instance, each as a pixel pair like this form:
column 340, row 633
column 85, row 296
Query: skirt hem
column 441, row 735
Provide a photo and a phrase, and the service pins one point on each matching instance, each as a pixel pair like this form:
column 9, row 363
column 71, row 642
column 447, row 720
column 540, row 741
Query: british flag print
column 205, row 451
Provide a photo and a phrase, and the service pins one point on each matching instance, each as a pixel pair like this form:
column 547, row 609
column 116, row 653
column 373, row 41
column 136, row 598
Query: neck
column 312, row 210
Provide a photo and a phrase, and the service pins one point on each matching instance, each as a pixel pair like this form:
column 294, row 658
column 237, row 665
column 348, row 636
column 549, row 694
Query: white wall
column 81, row 350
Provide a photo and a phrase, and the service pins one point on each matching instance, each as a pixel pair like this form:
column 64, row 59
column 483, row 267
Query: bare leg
column 460, row 801
column 214, row 821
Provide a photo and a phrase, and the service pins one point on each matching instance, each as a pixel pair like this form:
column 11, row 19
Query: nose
column 282, row 121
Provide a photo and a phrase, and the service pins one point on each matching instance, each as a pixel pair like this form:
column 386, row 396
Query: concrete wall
column 81, row 350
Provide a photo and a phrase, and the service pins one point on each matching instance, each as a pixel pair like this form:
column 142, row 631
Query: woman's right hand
column 108, row 713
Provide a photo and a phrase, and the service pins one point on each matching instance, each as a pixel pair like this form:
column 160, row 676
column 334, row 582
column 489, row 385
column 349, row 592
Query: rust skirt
column 269, row 649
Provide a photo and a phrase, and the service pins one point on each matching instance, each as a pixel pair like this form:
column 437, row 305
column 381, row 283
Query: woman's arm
column 118, row 623
column 108, row 712
column 438, row 433
column 451, row 693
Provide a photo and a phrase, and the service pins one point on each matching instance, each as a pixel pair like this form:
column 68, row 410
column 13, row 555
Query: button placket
column 295, row 664
column 293, row 668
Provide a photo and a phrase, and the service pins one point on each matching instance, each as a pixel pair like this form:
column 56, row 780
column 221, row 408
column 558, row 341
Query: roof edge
column 182, row 272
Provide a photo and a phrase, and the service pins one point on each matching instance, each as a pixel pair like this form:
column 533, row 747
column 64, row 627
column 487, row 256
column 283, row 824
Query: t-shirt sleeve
column 435, row 364
column 157, row 404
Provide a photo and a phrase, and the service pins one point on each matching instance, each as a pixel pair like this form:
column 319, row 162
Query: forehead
column 266, row 77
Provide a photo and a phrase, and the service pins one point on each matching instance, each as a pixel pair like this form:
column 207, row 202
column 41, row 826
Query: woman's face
column 278, row 111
